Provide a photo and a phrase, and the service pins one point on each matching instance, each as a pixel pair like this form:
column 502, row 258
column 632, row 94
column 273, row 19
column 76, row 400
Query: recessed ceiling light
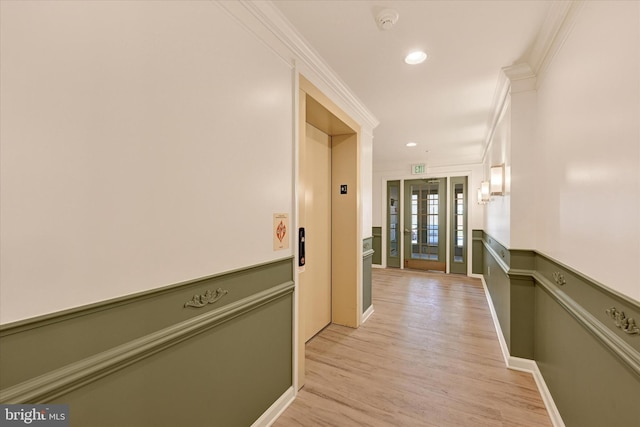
column 417, row 57
column 411, row 144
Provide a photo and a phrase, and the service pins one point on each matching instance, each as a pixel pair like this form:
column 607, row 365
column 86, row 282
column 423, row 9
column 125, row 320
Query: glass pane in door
column 458, row 226
column 425, row 232
column 424, row 224
column 393, row 224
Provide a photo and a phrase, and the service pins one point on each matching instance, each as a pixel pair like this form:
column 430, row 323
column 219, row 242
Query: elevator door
column 316, row 281
column 424, row 224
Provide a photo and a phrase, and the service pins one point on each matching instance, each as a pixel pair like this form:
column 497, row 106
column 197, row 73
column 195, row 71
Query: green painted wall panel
column 367, row 258
column 502, row 253
column 477, row 249
column 522, row 313
column 499, row 289
column 221, row 365
column 522, row 259
column 558, row 317
column 592, row 296
column 377, row 245
column 590, row 386
column 366, row 285
column 225, row 377
column 75, row 334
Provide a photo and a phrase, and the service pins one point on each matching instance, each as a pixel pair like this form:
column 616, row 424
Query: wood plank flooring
column 429, row 356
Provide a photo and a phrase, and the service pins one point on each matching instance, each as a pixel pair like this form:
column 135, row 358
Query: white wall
column 142, row 146
column 378, row 201
column 523, row 170
column 572, row 152
column 366, row 182
column 509, row 217
column 589, row 138
column 497, row 213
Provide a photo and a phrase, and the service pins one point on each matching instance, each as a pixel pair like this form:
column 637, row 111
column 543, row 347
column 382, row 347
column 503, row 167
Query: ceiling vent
column 387, row 18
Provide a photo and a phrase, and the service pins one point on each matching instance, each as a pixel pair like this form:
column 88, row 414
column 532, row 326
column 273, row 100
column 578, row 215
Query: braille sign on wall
column 343, row 189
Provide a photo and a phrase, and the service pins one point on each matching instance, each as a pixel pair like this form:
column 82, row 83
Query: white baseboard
column 520, row 364
column 367, row 314
column 496, row 324
column 275, row 410
column 552, row 409
column 524, row 365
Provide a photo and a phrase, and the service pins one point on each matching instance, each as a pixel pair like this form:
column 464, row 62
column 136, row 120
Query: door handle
column 407, row 231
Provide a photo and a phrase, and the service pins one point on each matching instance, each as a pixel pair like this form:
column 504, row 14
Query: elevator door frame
column 318, row 110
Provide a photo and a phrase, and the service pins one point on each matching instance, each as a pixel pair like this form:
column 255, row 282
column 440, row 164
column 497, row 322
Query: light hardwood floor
column 429, row 356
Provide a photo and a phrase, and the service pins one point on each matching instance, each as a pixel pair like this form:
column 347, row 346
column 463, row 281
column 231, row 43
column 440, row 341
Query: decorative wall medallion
column 559, row 278
column 209, row 297
column 627, row 324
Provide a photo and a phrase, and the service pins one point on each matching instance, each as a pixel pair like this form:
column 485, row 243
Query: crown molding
column 275, row 22
column 518, row 72
column 498, row 104
column 555, row 30
column 521, row 78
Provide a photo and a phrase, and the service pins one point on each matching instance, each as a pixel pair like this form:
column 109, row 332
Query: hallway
column 429, row 356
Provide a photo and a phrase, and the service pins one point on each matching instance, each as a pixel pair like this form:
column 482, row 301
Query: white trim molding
column 275, row 410
column 273, row 20
column 524, row 365
column 367, row 314
column 557, row 26
column 555, row 30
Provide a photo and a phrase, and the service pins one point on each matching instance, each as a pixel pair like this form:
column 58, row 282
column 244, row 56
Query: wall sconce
column 484, row 195
column 497, row 180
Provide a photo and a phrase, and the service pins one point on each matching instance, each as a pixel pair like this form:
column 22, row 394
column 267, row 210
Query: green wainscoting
column 367, row 257
column 579, row 332
column 156, row 358
column 377, row 245
column 477, row 249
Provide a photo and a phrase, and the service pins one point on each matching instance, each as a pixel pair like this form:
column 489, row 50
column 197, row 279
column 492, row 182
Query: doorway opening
column 434, row 228
column 329, row 284
column 425, row 222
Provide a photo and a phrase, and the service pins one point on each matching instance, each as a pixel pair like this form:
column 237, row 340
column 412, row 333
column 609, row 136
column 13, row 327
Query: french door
column 393, row 224
column 425, row 213
column 425, row 224
column 458, row 224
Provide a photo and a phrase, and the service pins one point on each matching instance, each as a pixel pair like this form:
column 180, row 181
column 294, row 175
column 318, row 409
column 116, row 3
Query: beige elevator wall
column 316, row 280
column 344, row 230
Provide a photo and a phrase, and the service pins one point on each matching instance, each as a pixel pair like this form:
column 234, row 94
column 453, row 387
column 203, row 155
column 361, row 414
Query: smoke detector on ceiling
column 387, row 18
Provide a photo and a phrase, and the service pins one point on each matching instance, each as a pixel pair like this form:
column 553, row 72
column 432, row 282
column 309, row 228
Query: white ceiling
column 444, row 104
